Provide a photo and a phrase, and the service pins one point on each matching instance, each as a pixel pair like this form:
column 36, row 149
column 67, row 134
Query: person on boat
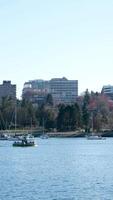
column 24, row 140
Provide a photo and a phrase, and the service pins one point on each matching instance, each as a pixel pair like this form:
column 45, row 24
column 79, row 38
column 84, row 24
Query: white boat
column 44, row 135
column 3, row 136
column 95, row 137
column 6, row 134
column 13, row 138
column 92, row 135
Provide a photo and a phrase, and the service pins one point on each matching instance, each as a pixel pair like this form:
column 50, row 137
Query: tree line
column 91, row 111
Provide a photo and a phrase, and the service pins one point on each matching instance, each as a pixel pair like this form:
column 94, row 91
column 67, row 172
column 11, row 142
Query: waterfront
column 57, row 169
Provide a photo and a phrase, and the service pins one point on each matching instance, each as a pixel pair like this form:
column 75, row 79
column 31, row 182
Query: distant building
column 108, row 91
column 7, row 90
column 62, row 90
column 36, row 91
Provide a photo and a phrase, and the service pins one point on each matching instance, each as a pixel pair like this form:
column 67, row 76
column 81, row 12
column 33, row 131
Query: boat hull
column 31, row 144
column 95, row 137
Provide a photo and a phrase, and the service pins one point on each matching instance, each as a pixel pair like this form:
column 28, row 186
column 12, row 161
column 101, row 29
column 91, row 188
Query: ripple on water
column 58, row 169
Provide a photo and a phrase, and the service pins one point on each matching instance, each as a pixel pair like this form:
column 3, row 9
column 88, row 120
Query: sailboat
column 95, row 137
column 6, row 134
column 92, row 135
column 44, row 135
column 14, row 137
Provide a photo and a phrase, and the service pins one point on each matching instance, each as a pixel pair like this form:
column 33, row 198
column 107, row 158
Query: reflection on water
column 57, row 169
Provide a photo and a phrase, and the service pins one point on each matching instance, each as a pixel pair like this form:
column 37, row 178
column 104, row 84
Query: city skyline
column 28, row 83
column 46, row 39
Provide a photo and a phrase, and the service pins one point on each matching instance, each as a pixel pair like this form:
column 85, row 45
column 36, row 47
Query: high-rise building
column 62, row 90
column 108, row 90
column 36, row 91
column 7, row 90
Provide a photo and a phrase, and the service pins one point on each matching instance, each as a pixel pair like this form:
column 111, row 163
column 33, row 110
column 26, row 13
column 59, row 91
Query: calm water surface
column 57, row 169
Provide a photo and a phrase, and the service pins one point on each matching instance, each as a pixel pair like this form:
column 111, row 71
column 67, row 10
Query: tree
column 69, row 118
column 46, row 117
column 26, row 114
column 60, row 118
column 77, row 116
column 49, row 100
column 7, row 106
column 50, row 120
column 85, row 111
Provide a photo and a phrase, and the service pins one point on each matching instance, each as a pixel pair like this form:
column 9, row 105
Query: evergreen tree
column 49, row 100
column 85, row 111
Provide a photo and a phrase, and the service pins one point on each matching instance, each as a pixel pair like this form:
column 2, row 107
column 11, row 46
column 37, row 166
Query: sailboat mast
column 31, row 125
column 92, row 122
column 43, row 125
column 15, row 116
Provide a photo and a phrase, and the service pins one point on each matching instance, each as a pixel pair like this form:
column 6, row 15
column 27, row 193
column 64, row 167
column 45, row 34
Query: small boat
column 25, row 141
column 95, row 137
column 4, row 136
column 92, row 135
column 44, row 136
column 13, row 138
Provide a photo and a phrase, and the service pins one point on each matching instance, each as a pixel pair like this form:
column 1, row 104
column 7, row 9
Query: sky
column 44, row 39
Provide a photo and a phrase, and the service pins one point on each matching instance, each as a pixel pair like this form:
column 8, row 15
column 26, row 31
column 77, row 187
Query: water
column 57, row 169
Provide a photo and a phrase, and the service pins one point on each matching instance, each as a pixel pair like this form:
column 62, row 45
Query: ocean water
column 57, row 169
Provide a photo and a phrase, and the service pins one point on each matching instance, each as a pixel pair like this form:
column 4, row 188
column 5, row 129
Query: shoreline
column 69, row 134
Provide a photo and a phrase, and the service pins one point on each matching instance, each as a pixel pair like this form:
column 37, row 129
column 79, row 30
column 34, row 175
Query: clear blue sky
column 56, row 38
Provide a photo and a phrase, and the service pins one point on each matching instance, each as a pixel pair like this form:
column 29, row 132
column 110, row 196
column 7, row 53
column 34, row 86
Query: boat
column 3, row 136
column 13, row 138
column 95, row 137
column 25, row 141
column 44, row 135
column 92, row 135
column 6, row 134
